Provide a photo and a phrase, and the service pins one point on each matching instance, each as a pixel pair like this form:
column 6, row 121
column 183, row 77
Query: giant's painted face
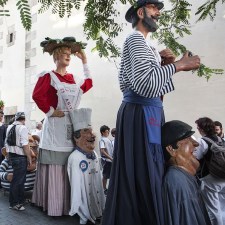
column 151, row 14
column 62, row 56
column 86, row 140
column 184, row 155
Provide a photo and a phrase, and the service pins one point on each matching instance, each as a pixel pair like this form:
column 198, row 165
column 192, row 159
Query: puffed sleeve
column 87, row 85
column 40, row 94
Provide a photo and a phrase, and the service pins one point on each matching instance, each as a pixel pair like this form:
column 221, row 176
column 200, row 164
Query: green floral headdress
column 49, row 45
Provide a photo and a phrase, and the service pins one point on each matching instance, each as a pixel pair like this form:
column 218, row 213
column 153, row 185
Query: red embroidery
column 154, row 122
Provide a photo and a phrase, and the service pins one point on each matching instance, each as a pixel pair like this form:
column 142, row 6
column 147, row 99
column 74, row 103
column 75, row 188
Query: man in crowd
column 183, row 204
column 87, row 196
column 6, row 170
column 106, row 150
column 38, row 129
column 219, row 129
column 20, row 157
column 113, row 133
column 2, row 134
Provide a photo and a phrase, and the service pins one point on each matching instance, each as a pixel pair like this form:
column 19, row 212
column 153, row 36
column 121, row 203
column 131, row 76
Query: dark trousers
column 16, row 193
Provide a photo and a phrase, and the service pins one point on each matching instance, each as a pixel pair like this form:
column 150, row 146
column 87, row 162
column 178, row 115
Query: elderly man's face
column 86, row 140
column 183, row 156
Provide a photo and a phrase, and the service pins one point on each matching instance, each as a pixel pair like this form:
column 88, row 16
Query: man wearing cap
column 20, row 157
column 134, row 193
column 87, row 196
column 182, row 201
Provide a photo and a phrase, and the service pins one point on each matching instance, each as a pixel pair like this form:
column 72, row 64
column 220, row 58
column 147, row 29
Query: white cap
column 20, row 115
column 81, row 118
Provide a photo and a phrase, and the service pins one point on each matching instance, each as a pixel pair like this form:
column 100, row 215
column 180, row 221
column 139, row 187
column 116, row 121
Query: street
column 32, row 215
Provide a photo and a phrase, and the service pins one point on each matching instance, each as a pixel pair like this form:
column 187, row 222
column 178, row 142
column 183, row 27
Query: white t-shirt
column 107, row 144
column 201, row 150
column 37, row 132
column 21, row 138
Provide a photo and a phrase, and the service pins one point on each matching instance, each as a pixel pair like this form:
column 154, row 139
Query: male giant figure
column 183, row 204
column 87, row 196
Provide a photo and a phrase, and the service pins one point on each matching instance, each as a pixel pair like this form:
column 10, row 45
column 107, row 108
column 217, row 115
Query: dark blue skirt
column 134, row 196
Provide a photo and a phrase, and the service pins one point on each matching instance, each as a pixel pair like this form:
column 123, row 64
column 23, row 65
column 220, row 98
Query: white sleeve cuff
column 86, row 71
column 50, row 112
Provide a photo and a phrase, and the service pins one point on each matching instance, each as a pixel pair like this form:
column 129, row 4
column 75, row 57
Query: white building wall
column 12, row 58
column 194, row 97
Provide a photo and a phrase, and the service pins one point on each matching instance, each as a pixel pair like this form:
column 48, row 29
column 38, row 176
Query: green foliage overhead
column 25, row 14
column 208, row 9
column 2, row 103
column 101, row 23
column 4, row 12
column 24, row 9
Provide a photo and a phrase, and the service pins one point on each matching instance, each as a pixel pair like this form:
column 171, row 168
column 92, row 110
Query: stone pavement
column 31, row 216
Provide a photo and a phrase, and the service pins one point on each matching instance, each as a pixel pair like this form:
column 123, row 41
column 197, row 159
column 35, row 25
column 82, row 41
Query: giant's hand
column 58, row 113
column 81, row 55
column 167, row 56
column 187, row 63
column 9, row 177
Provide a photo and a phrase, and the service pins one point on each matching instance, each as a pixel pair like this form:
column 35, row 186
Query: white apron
column 57, row 131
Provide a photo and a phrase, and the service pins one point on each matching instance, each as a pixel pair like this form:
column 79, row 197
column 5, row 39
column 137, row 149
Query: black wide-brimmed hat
column 174, row 131
column 139, row 4
column 49, row 45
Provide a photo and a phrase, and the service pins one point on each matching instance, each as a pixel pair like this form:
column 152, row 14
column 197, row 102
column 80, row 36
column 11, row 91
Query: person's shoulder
column 10, row 126
column 22, row 127
column 135, row 36
column 75, row 156
column 44, row 73
column 175, row 178
column 105, row 139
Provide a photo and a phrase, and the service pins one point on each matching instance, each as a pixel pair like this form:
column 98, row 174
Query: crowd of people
column 158, row 172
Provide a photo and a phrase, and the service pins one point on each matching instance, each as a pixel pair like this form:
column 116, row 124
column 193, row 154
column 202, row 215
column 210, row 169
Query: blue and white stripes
column 141, row 70
column 6, row 168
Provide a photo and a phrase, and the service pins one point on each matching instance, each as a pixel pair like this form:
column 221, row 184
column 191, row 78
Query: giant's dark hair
column 135, row 19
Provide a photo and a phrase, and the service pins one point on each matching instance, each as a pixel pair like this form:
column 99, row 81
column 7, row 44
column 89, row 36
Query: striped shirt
column 6, row 168
column 141, row 69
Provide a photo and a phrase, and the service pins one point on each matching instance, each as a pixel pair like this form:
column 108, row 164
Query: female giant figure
column 56, row 94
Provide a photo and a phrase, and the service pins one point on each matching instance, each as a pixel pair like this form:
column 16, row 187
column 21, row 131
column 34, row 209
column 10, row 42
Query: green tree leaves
column 25, row 14
column 60, row 7
column 208, row 9
column 101, row 23
column 101, row 27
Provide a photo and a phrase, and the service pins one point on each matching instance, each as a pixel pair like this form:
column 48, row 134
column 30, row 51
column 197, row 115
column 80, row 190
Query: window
column 27, row 63
column 8, row 118
column 11, row 38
